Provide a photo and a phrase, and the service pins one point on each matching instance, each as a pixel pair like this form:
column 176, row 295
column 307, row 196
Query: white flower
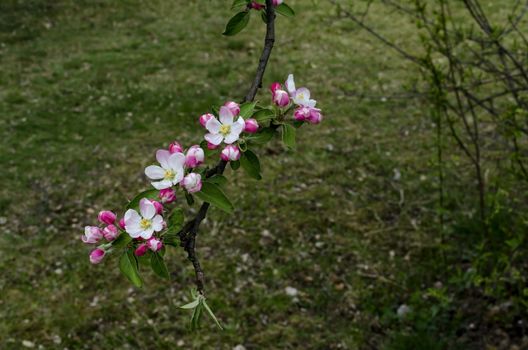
column 170, row 172
column 143, row 225
column 226, row 129
column 299, row 96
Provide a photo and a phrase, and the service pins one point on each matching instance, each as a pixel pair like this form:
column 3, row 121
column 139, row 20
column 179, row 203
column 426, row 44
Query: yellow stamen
column 145, row 224
column 169, row 175
column 225, row 130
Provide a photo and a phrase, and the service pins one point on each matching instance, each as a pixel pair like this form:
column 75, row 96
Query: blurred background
column 372, row 234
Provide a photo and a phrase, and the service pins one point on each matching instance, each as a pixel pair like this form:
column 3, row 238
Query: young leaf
column 250, row 163
column 175, row 221
column 134, row 203
column 288, row 135
column 263, row 136
column 197, row 312
column 246, row 109
column 158, row 266
column 212, row 314
column 235, row 164
column 219, row 180
column 264, row 115
column 129, row 267
column 191, row 305
column 237, row 23
column 211, row 193
column 121, row 241
column 239, row 3
column 189, row 198
column 285, row 10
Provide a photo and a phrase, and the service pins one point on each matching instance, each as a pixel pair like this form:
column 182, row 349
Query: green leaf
column 237, row 23
column 285, row 10
column 250, row 163
column 212, row 314
column 246, row 109
column 219, row 180
column 235, row 164
column 175, row 221
column 189, row 198
column 264, row 115
column 197, row 312
column 121, row 241
column 158, row 266
column 288, row 135
column 239, row 3
column 191, row 305
column 264, row 17
column 297, row 124
column 212, row 193
column 263, row 136
column 128, row 265
column 150, row 194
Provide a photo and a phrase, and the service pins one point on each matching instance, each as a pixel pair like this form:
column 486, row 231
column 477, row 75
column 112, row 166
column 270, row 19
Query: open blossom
column 141, row 249
column 144, row 223
column 154, row 244
column 92, row 234
column 97, row 255
column 167, row 195
column 300, row 96
column 175, row 147
column 110, row 232
column 233, row 107
column 170, row 172
column 251, row 126
column 194, row 157
column 106, row 217
column 204, row 118
column 192, row 182
column 227, row 129
column 230, row 153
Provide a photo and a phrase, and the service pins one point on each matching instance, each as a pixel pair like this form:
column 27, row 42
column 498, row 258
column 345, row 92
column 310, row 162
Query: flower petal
column 226, row 116
column 302, row 94
column 213, row 125
column 154, row 172
column 157, row 223
column 146, row 208
column 132, row 217
column 215, row 139
column 290, row 84
column 162, row 156
column 161, row 185
column 147, row 233
column 177, row 161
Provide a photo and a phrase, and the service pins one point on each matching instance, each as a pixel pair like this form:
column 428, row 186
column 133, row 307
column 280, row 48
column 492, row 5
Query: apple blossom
column 230, row 153
column 299, row 96
column 211, row 146
column 233, row 107
column 154, row 244
column 175, row 147
column 281, row 98
column 170, row 172
column 141, row 250
column 167, row 195
column 275, row 86
column 194, row 157
column 192, row 182
column 205, row 118
column 110, row 232
column 145, row 223
column 97, row 255
column 277, row 2
column 315, row 116
column 122, row 223
column 106, row 217
column 226, row 130
column 158, row 206
column 256, row 6
column 92, row 234
column 251, row 126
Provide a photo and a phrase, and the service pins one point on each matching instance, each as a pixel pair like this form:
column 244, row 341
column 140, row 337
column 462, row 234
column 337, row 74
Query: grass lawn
column 90, row 89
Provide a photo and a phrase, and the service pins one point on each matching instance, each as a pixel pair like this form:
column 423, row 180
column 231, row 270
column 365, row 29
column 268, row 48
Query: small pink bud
column 274, row 87
column 230, row 153
column 92, row 234
column 110, row 232
column 97, row 255
column 106, row 217
column 167, row 195
column 251, row 126
column 281, row 98
column 141, row 249
column 194, row 157
column 158, row 206
column 154, row 244
column 277, row 2
column 205, row 118
column 315, row 116
column 211, row 145
column 233, row 107
column 122, row 223
column 192, row 182
column 175, row 147
column 256, row 6
column 301, row 113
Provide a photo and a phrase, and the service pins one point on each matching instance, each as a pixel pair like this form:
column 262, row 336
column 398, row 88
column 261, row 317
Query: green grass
column 89, row 91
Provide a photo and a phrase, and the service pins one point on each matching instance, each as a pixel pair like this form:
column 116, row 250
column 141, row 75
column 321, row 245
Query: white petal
column 161, row 185
column 304, row 92
column 215, row 139
column 132, row 217
column 226, row 116
column 177, row 161
column 311, row 103
column 147, row 233
column 162, row 156
column 290, row 84
column 232, row 137
column 133, row 231
column 178, row 177
column 213, row 125
column 157, row 223
column 146, row 208
column 154, row 172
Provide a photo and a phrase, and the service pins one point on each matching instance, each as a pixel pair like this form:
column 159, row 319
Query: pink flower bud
column 277, row 2
column 233, row 107
column 315, row 116
column 97, row 255
column 301, row 113
column 141, row 250
column 230, row 153
column 158, row 206
column 251, row 126
column 256, row 6
column 110, row 232
column 92, row 234
column 122, row 223
column 274, row 87
column 194, row 157
column 281, row 98
column 106, row 217
column 211, row 145
column 192, row 182
column 175, row 147
column 167, row 195
column 205, row 118
column 154, row 244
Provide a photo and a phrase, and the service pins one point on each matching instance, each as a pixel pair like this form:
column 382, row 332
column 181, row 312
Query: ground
column 328, row 245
